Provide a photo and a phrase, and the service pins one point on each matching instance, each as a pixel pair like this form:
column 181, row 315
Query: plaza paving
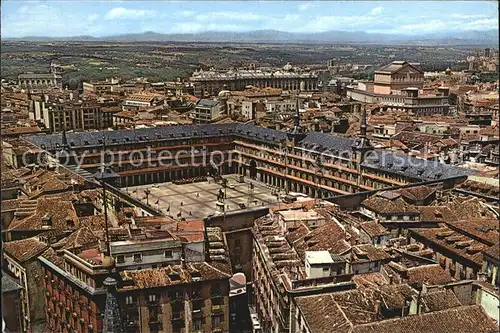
column 198, row 200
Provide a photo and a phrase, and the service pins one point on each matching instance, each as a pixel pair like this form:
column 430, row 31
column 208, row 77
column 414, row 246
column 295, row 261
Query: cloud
column 120, row 13
column 229, row 16
column 92, row 17
column 377, row 10
column 467, row 16
column 305, row 6
column 326, row 23
column 185, row 13
column 433, row 25
column 187, row 27
column 483, row 24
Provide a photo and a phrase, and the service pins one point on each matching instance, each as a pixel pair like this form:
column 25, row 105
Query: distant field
column 168, row 61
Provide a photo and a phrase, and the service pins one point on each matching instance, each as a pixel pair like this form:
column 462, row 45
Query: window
column 137, row 257
column 129, row 300
column 153, row 298
column 216, row 321
column 169, row 254
column 120, row 259
column 197, row 325
column 216, row 290
column 153, row 314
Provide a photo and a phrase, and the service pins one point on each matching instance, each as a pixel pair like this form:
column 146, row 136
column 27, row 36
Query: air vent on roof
column 174, row 276
column 127, row 139
column 43, row 146
column 113, row 140
column 485, row 229
column 389, row 165
column 85, row 142
column 100, row 141
column 420, row 171
column 171, row 135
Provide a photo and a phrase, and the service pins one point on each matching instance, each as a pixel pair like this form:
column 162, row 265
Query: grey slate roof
column 207, row 102
column 9, row 284
column 413, row 167
column 395, row 66
column 320, row 142
column 43, row 76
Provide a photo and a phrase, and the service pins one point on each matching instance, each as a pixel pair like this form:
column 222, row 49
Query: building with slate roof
column 11, row 307
column 398, row 86
column 212, row 82
column 267, row 155
column 37, row 80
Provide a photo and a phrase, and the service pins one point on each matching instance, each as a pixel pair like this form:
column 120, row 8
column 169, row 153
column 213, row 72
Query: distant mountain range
column 486, row 38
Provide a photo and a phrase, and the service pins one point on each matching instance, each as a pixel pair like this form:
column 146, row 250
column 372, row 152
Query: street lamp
column 147, row 192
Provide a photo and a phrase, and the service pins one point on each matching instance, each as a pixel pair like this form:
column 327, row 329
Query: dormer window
column 70, row 223
column 47, row 220
column 174, row 276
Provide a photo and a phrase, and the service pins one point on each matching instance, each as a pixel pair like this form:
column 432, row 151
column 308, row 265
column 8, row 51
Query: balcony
column 217, row 308
column 177, row 315
column 131, row 306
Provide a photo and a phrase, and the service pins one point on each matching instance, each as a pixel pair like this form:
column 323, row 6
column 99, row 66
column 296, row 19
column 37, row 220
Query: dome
column 224, row 93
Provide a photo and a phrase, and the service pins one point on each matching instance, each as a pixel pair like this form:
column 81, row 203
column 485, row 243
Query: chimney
column 377, row 308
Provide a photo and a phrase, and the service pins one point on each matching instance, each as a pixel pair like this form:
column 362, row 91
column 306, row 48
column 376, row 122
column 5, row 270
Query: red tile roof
column 24, row 249
column 60, row 213
column 466, row 319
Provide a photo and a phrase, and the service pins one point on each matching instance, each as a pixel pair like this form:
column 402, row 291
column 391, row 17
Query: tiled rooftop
column 430, row 274
column 24, row 249
column 175, row 274
column 321, row 142
column 466, row 319
column 340, row 311
column 62, row 215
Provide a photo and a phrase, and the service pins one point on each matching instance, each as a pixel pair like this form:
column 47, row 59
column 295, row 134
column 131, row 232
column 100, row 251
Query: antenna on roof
column 102, row 175
column 362, row 133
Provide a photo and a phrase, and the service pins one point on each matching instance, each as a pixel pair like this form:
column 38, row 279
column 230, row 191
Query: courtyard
column 198, row 200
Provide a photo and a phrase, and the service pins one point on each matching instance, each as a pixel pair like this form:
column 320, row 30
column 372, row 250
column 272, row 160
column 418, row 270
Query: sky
column 107, row 18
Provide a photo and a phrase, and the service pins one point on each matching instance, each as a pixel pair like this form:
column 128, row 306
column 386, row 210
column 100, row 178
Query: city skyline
column 98, row 18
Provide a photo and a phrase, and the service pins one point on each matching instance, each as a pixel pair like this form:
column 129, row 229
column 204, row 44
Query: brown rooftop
column 430, row 274
column 175, row 274
column 340, row 311
column 24, row 249
column 382, row 205
column 466, row 319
